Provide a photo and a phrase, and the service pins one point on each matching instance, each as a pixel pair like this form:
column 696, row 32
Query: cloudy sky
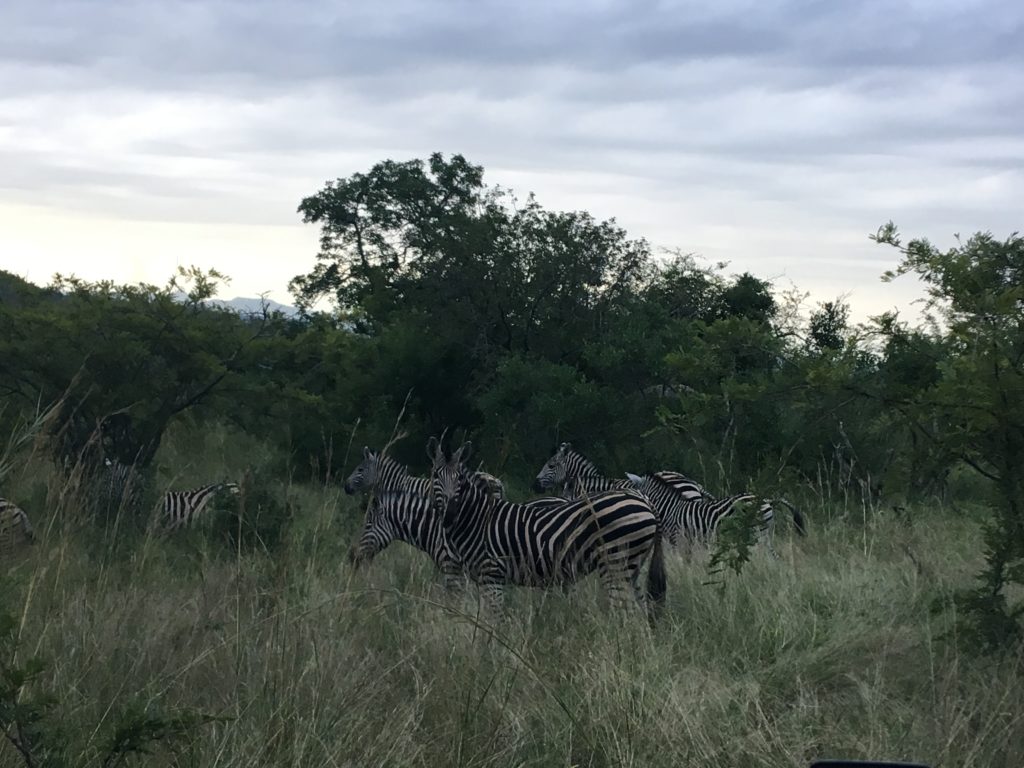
column 136, row 136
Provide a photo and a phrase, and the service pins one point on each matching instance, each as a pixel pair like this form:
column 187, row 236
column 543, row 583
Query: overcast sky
column 136, row 136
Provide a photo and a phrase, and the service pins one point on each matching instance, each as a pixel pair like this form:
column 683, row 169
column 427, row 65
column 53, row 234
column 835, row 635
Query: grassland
column 840, row 648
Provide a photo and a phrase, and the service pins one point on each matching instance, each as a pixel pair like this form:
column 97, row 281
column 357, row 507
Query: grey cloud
column 795, row 114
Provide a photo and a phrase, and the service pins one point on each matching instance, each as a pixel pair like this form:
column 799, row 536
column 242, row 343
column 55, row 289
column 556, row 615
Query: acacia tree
column 974, row 408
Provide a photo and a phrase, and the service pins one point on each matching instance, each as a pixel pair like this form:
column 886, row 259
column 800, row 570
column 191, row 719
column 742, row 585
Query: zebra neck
column 476, row 510
column 580, row 466
column 392, row 476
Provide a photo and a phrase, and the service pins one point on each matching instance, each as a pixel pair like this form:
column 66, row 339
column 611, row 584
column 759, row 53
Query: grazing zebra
column 378, row 472
column 181, row 508
column 409, row 517
column 698, row 519
column 499, row 542
column 15, row 529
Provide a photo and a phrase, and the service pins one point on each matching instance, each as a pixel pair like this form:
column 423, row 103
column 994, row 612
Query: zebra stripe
column 120, row 486
column 576, row 475
column 379, row 473
column 181, row 508
column 665, row 490
column 697, row 518
column 408, row 517
column 499, row 542
column 15, row 529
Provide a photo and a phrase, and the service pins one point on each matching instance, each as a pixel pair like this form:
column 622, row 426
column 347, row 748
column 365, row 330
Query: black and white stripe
column 575, row 475
column 669, row 500
column 408, row 517
column 698, row 519
column 15, row 529
column 501, row 543
column 378, row 472
column 120, row 487
column 181, row 508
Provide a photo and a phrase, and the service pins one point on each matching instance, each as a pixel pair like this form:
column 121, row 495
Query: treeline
column 437, row 294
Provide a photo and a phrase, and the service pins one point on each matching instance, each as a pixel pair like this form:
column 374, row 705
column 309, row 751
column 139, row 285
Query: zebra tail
column 798, row 518
column 656, row 582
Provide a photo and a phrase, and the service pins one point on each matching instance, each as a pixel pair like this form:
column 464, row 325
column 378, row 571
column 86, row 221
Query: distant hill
column 248, row 306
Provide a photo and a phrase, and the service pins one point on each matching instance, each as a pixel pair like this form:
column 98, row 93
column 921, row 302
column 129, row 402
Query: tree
column 972, row 403
column 125, row 359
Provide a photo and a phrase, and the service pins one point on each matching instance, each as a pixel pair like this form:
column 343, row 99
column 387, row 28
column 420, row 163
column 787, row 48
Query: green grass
column 833, row 650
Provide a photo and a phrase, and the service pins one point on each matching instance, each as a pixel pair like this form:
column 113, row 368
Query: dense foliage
column 521, row 326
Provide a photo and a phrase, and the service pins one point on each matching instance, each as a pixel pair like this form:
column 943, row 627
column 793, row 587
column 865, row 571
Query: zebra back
column 181, row 508
column 689, row 489
column 503, row 542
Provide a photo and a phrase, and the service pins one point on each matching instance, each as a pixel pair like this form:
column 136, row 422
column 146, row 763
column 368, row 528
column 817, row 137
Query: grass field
column 836, row 649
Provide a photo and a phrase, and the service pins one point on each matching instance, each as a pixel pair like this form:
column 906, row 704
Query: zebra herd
column 461, row 519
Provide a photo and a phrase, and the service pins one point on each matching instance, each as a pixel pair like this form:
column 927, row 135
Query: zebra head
column 378, row 530
column 447, row 476
column 553, row 473
column 365, row 475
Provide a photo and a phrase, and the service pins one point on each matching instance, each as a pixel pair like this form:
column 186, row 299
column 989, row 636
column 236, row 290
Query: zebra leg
column 493, row 595
column 767, row 534
column 621, row 582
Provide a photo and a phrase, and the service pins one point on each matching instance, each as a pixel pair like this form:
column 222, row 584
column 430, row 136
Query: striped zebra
column 408, row 517
column 378, row 472
column 120, row 486
column 576, row 475
column 181, row 508
column 499, row 542
column 15, row 529
column 696, row 519
column 579, row 477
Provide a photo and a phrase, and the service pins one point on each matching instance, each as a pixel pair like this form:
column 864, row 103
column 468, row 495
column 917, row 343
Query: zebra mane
column 387, row 460
column 585, row 465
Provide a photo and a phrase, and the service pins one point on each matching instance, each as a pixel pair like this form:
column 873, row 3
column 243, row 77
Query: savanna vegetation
column 438, row 302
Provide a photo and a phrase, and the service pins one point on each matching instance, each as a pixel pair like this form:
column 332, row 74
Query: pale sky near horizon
column 137, row 136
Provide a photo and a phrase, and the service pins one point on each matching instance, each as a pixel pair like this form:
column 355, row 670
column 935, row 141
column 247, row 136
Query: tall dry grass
column 837, row 649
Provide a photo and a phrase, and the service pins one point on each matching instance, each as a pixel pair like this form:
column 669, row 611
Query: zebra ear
column 366, row 451
column 564, row 447
column 465, row 452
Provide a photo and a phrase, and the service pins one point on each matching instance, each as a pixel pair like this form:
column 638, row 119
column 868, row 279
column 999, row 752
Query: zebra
column 409, row 517
column 181, row 508
column 15, row 529
column 500, row 542
column 576, row 475
column 120, row 486
column 379, row 472
column 579, row 478
column 698, row 518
